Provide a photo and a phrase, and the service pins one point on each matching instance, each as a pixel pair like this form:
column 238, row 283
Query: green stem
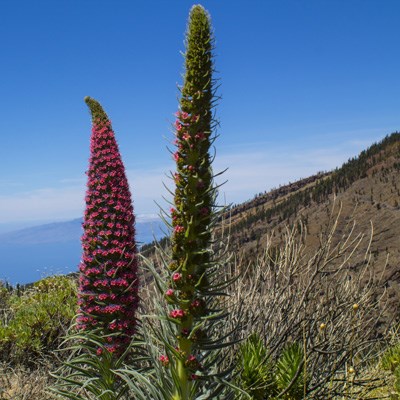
column 183, row 391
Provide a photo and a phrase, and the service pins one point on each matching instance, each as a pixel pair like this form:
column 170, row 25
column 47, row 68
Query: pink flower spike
column 109, row 261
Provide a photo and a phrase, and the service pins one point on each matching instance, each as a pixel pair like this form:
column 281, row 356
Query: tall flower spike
column 108, row 283
column 190, row 288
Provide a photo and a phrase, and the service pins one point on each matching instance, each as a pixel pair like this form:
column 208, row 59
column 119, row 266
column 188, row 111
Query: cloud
column 67, row 201
column 147, row 187
column 42, row 204
column 252, row 169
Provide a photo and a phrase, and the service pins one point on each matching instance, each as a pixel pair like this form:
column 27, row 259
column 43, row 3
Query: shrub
column 262, row 378
column 255, row 371
column 316, row 299
column 37, row 319
column 390, row 361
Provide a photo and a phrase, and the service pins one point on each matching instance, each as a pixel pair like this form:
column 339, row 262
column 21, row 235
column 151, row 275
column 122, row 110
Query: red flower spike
column 108, row 281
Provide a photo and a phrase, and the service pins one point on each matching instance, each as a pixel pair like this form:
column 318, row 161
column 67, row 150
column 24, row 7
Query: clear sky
column 305, row 85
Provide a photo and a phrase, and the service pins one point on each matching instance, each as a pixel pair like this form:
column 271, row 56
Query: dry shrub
column 23, row 384
column 329, row 300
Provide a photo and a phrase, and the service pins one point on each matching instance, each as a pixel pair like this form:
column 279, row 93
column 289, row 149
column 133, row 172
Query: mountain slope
column 368, row 187
column 367, row 191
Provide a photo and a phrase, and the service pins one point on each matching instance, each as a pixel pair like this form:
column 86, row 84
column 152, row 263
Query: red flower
column 164, row 360
column 177, row 314
column 176, row 277
column 176, row 156
column 179, row 229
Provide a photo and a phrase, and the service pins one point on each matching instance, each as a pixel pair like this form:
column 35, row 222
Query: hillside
column 367, row 188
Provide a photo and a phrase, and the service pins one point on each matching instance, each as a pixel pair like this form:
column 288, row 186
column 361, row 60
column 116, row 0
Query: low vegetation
column 302, row 328
column 33, row 320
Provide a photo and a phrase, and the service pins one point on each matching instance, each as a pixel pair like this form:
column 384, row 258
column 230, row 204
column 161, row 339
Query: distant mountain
column 28, row 254
column 67, row 231
column 57, row 232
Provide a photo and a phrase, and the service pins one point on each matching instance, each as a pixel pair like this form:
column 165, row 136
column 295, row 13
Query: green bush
column 391, row 358
column 263, row 378
column 289, row 368
column 34, row 320
column 255, row 368
column 391, row 362
column 397, row 380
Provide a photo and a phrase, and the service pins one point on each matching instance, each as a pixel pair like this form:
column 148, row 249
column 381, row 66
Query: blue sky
column 305, row 85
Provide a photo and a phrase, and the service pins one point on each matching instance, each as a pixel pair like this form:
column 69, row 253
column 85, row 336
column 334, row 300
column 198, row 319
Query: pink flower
column 164, row 360
column 184, row 115
column 177, row 314
column 196, row 303
column 176, row 277
column 178, row 125
column 179, row 229
column 169, row 292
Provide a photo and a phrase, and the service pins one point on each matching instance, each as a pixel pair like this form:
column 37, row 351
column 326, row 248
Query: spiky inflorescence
column 108, row 284
column 189, row 289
